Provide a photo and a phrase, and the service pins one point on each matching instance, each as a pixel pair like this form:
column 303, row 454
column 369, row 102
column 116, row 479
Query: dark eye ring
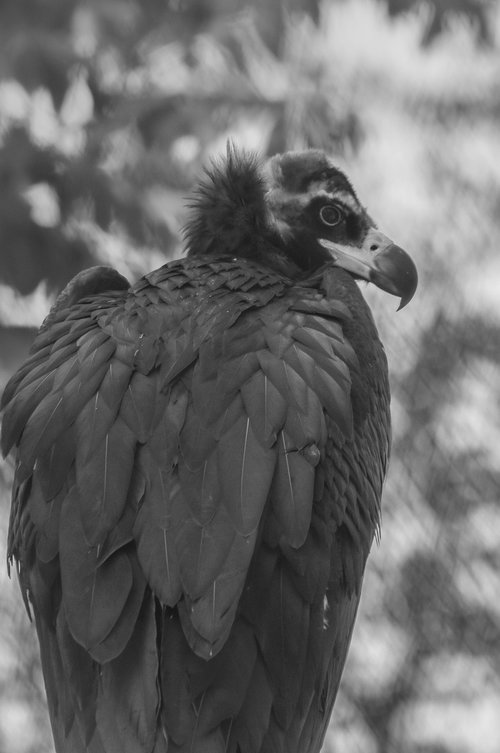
column 330, row 215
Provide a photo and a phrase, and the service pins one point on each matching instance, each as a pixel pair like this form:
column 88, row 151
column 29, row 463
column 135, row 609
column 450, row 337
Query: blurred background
column 108, row 109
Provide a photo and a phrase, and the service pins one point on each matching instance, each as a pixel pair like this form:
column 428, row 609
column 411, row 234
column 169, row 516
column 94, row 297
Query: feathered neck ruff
column 228, row 212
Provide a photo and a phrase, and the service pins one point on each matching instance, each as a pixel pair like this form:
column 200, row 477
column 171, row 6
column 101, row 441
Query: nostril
column 373, row 247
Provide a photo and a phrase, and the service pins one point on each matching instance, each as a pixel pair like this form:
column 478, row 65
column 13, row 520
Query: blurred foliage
column 109, row 108
column 100, row 90
column 443, row 13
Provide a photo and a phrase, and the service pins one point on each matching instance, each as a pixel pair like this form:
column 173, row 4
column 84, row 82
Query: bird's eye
column 330, row 215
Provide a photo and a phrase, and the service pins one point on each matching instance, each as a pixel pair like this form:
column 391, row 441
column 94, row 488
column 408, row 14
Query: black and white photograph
column 250, row 376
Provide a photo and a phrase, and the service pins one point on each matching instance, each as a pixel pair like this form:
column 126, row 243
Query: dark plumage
column 200, row 460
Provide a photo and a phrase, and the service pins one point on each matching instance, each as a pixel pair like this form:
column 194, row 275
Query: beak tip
column 403, row 302
column 408, row 294
column 396, row 273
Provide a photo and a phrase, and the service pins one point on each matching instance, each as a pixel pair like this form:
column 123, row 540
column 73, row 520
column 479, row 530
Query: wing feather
column 231, row 679
column 45, row 517
column 201, row 551
column 292, row 493
column 26, row 400
column 331, row 385
column 94, row 595
column 46, row 423
column 53, row 468
column 213, row 613
column 113, row 645
column 103, row 481
column 201, row 489
column 128, row 697
column 246, row 469
column 154, row 532
column 142, row 403
column 252, row 723
column 289, row 384
column 81, row 675
column 97, row 416
column 196, row 443
column 265, row 407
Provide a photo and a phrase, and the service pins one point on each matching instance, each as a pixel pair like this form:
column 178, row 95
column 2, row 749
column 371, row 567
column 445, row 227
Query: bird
column 199, row 461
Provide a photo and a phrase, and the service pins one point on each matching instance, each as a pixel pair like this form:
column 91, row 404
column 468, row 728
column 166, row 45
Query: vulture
column 199, row 466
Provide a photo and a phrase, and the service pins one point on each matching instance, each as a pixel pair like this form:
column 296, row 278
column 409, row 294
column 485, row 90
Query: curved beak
column 380, row 261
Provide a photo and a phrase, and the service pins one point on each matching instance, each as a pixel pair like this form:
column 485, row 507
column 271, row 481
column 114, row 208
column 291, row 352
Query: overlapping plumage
column 200, row 459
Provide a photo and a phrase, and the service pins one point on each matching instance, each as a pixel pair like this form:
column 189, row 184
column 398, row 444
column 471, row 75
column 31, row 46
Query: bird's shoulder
column 216, row 312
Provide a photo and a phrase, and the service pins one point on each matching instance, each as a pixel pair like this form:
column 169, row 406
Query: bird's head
column 295, row 213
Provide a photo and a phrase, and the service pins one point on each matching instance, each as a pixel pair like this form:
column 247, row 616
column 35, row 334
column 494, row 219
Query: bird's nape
column 227, row 210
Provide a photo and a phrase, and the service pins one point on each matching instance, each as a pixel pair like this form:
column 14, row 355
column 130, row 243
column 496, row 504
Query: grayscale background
column 108, row 109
